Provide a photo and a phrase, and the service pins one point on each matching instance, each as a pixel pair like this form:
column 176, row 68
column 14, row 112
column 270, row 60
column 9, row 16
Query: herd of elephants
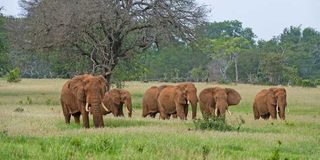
column 86, row 94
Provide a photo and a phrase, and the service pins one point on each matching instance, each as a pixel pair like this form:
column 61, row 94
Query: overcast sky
column 267, row 18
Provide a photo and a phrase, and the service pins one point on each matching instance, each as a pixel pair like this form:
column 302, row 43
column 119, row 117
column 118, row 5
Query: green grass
column 39, row 131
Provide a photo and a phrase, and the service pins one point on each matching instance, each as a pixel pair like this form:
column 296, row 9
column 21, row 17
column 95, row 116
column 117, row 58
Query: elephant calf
column 216, row 100
column 114, row 100
column 269, row 102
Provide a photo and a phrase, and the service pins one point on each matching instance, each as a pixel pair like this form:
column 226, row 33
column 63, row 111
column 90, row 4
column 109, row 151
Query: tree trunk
column 236, row 68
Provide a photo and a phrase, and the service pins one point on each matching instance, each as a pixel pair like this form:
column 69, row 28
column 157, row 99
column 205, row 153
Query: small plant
column 205, row 152
column 29, row 100
column 19, row 109
column 308, row 83
column 212, row 123
column 48, row 101
column 275, row 153
column 14, row 76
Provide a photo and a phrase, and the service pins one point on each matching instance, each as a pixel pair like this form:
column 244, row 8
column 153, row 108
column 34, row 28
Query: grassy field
column 39, row 132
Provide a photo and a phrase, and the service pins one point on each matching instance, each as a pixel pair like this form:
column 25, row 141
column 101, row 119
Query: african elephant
column 83, row 94
column 149, row 102
column 216, row 100
column 114, row 100
column 269, row 102
column 191, row 97
column 173, row 100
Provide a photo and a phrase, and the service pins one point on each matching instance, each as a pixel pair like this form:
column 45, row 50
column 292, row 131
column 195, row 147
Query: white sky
column 267, row 18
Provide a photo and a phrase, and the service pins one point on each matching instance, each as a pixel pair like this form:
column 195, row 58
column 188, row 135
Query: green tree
column 4, row 58
column 232, row 48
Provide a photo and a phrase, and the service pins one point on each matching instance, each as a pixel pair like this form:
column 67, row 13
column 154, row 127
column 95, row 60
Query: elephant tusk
column 216, row 111
column 87, row 107
column 104, row 107
column 277, row 109
column 229, row 112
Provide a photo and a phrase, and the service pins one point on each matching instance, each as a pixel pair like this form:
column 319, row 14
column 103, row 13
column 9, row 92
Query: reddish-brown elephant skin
column 215, row 101
column 81, row 92
column 173, row 100
column 114, row 100
column 270, row 101
column 191, row 97
column 150, row 103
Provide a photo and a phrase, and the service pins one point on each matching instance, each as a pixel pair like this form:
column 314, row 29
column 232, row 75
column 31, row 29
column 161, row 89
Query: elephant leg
column 85, row 117
column 186, row 111
column 66, row 114
column 255, row 112
column 77, row 118
column 145, row 112
column 67, row 118
column 180, row 111
column 163, row 114
column 272, row 111
column 120, row 113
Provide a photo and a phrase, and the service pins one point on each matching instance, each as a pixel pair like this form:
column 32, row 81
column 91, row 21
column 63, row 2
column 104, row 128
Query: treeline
column 227, row 52
column 223, row 51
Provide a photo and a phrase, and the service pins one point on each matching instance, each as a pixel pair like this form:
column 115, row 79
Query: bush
column 212, row 123
column 13, row 76
column 318, row 82
column 308, row 83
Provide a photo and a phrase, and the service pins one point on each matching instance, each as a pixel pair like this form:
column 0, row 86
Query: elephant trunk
column 282, row 103
column 128, row 103
column 96, row 106
column 281, row 112
column 193, row 100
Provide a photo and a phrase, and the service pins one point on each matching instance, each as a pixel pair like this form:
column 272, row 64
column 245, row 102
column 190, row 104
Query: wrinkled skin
column 173, row 100
column 268, row 102
column 150, row 103
column 215, row 101
column 114, row 100
column 80, row 91
column 191, row 97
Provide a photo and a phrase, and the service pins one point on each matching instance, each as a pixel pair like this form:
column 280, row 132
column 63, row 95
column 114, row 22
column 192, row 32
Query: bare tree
column 105, row 30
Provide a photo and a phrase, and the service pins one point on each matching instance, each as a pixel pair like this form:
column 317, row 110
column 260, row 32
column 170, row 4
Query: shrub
column 222, row 81
column 212, row 123
column 317, row 82
column 308, row 83
column 13, row 76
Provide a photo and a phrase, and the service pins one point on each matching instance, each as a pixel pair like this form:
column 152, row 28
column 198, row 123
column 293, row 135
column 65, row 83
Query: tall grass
column 38, row 131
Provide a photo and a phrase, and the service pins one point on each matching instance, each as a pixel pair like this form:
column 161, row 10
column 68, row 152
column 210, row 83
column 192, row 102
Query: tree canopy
column 105, row 31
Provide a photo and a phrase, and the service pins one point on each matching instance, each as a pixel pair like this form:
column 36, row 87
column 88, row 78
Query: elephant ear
column 271, row 97
column 233, row 96
column 104, row 83
column 115, row 96
column 182, row 95
column 77, row 88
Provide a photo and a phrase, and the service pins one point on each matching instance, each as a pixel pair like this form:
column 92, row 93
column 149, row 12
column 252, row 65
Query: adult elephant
column 215, row 101
column 114, row 100
column 269, row 102
column 191, row 97
column 173, row 100
column 83, row 94
column 149, row 102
